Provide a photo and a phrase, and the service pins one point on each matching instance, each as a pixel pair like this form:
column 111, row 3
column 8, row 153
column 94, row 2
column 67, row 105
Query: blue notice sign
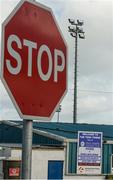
column 90, row 140
column 89, row 157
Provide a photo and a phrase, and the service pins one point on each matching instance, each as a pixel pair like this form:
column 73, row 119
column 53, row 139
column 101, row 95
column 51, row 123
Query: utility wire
column 93, row 91
column 96, row 91
column 95, row 112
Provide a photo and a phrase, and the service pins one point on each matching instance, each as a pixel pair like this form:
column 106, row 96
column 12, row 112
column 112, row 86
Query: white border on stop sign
column 2, row 61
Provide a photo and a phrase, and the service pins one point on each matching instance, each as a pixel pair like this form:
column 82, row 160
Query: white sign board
column 89, row 156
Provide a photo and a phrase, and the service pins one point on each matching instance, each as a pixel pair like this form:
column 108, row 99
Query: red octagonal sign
column 34, row 60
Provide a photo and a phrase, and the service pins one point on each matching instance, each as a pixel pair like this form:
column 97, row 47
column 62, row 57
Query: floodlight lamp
column 80, row 23
column 73, row 35
column 81, row 36
column 59, row 109
column 71, row 29
column 71, row 21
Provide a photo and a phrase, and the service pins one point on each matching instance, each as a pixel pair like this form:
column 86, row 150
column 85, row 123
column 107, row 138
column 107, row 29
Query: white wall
column 40, row 159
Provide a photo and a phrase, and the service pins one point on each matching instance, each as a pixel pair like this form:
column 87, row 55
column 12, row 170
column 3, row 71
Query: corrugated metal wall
column 6, row 136
column 10, row 134
column 107, row 152
column 72, row 158
column 106, row 158
column 42, row 140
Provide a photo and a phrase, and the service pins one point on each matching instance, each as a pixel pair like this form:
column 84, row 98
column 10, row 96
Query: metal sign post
column 27, row 149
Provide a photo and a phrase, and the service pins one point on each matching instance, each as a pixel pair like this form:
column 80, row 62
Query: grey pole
column 75, row 81
column 27, row 149
column 58, row 111
column 58, row 117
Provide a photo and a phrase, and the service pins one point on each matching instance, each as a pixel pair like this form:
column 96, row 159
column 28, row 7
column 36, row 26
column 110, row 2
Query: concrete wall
column 84, row 177
column 1, row 169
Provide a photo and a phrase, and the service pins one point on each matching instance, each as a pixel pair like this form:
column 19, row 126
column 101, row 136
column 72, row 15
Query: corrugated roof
column 70, row 130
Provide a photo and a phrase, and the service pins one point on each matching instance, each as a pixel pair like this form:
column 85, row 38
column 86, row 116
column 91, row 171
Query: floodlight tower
column 76, row 32
column 58, row 111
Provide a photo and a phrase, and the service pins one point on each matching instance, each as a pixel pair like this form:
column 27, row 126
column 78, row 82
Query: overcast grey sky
column 95, row 60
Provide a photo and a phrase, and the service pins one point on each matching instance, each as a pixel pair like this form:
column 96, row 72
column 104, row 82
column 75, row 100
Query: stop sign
column 34, row 60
